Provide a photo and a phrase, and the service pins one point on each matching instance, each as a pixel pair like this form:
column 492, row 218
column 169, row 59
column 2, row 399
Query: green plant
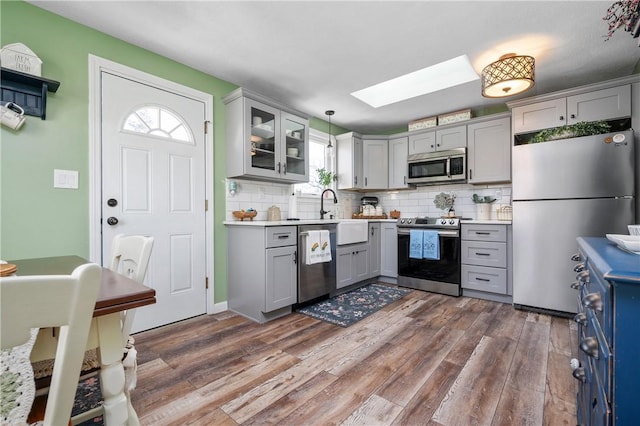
column 325, row 177
column 583, row 128
column 486, row 199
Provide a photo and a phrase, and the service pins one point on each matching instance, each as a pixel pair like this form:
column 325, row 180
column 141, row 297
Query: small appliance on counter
column 369, row 206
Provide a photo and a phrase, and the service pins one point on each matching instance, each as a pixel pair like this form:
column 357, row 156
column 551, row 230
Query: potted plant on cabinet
column 483, row 206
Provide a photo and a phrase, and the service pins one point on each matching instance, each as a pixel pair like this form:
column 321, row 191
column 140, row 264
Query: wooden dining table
column 117, row 294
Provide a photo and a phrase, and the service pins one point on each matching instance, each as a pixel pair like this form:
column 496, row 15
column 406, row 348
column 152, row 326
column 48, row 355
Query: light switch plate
column 67, row 179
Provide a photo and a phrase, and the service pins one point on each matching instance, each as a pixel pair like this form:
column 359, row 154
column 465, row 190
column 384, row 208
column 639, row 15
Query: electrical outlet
column 498, row 194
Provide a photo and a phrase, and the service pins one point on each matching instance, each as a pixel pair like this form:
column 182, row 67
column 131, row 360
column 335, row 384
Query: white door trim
column 96, row 66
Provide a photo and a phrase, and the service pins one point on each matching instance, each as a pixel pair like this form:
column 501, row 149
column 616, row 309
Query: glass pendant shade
column 329, row 113
column 508, row 76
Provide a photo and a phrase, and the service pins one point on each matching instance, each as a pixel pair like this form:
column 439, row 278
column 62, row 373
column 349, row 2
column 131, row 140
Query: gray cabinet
column 281, row 283
column 352, row 264
column 375, row 163
column 605, row 104
column 349, row 161
column 486, row 261
column 374, row 249
column 438, row 140
column 389, row 250
column 398, row 153
column 489, row 151
column 265, row 140
column 261, row 271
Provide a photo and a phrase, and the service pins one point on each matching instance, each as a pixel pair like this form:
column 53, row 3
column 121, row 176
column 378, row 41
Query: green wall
column 35, row 219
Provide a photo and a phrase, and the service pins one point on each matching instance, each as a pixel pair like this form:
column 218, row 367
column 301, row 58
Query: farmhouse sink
column 351, row 231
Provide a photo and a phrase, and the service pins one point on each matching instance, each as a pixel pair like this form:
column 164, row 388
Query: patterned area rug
column 88, row 396
column 351, row 307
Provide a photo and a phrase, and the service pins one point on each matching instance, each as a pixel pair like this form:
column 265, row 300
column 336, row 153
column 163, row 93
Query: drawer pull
column 581, row 318
column 483, row 279
column 593, row 301
column 483, row 254
column 583, row 277
column 589, row 346
column 579, row 374
column 576, row 285
column 483, row 233
column 282, row 237
column 579, row 267
column 576, row 257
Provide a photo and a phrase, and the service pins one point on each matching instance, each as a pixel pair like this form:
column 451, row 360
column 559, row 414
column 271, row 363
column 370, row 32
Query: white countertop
column 296, row 222
column 486, row 222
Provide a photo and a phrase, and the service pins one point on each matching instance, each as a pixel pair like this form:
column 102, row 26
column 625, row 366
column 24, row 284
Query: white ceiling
column 311, row 55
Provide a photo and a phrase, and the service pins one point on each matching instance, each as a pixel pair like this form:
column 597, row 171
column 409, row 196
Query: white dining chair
column 130, row 256
column 32, row 302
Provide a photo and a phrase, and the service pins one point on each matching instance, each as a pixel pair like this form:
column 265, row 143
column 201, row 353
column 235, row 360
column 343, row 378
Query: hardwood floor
column 426, row 359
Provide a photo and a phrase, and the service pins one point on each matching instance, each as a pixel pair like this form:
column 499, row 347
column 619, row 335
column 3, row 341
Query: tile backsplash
column 412, row 202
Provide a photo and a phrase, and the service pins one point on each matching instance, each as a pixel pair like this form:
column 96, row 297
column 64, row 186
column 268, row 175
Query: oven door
column 442, row 275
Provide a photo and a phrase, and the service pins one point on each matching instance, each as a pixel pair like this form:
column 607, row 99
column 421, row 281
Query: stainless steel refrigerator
column 564, row 189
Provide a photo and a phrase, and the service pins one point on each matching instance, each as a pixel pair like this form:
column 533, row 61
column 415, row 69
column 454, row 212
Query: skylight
column 427, row 80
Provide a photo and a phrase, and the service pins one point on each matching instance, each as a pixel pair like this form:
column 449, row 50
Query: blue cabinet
column 608, row 284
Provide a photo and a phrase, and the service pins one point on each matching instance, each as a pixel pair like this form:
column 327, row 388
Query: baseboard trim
column 220, row 307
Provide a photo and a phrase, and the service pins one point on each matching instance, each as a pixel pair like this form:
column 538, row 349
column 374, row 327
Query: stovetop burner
column 428, row 222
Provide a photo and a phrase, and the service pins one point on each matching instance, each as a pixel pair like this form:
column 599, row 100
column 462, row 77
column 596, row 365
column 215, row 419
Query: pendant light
column 329, row 113
column 509, row 75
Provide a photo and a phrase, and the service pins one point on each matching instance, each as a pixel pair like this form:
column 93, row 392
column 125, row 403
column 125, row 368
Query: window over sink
column 320, row 157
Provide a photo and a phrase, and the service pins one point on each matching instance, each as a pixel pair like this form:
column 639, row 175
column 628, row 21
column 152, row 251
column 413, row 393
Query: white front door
column 153, row 183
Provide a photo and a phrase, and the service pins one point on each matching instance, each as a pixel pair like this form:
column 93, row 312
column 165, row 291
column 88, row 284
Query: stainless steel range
column 438, row 274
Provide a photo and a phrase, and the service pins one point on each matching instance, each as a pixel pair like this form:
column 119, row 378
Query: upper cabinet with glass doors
column 265, row 140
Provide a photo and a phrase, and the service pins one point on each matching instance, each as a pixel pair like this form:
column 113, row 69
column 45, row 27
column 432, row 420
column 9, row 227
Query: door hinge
column 206, row 205
column 206, row 126
column 206, row 282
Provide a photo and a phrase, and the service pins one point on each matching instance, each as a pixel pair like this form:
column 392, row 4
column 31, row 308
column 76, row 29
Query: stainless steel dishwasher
column 318, row 279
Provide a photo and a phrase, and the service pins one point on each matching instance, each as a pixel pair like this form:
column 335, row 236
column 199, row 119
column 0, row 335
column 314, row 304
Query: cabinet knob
column 581, row 318
column 562, row 118
column 593, row 301
column 576, row 285
column 589, row 346
column 579, row 267
column 573, row 116
column 576, row 257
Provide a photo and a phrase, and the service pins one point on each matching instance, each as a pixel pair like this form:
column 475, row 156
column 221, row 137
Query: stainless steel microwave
column 438, row 167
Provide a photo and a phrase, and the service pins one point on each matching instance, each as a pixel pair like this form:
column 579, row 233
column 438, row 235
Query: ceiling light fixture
column 329, row 113
column 509, row 75
column 427, row 80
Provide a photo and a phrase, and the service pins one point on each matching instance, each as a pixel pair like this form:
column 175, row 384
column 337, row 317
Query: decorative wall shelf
column 28, row 91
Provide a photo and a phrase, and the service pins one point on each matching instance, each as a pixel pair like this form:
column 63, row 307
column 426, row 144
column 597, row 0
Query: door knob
column 112, row 221
column 112, row 202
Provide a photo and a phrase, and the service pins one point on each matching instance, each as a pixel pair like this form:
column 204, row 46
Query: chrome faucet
column 335, row 201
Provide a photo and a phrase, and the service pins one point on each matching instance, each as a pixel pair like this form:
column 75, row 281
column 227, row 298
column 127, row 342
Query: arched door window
column 158, row 121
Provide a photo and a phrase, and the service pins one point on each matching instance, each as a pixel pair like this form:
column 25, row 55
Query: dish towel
column 430, row 245
column 415, row 244
column 318, row 247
